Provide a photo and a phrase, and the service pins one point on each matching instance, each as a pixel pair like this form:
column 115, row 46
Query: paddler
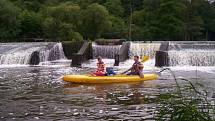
column 100, row 71
column 137, row 67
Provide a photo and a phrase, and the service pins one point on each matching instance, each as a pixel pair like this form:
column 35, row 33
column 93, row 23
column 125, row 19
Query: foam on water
column 191, row 57
column 192, row 54
column 205, row 69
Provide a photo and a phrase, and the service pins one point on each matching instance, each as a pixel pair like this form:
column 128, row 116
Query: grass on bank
column 186, row 103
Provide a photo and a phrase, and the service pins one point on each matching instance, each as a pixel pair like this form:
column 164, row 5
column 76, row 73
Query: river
column 32, row 93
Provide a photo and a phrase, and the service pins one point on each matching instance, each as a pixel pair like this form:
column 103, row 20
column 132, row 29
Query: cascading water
column 105, row 51
column 141, row 49
column 138, row 48
column 54, row 53
column 195, row 54
column 20, row 53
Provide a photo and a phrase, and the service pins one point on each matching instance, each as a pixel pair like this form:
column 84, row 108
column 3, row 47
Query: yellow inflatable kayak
column 107, row 79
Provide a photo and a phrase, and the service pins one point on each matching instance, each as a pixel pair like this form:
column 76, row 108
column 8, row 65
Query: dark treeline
column 75, row 20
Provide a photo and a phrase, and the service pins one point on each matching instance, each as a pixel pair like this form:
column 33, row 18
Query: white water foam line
column 205, row 69
column 21, row 57
column 192, row 57
column 61, row 62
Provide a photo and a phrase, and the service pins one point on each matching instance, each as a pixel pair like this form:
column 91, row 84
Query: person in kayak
column 100, row 71
column 137, row 68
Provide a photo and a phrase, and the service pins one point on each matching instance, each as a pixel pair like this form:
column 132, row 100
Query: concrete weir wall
column 123, row 53
column 70, row 48
column 161, row 56
column 35, row 58
column 84, row 54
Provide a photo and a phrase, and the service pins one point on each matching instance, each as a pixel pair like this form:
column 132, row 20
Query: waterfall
column 105, row 51
column 20, row 53
column 55, row 53
column 192, row 54
column 139, row 48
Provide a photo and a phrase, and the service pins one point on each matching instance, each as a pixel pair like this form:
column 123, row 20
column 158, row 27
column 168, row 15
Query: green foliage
column 94, row 21
column 117, row 28
column 61, row 21
column 9, row 24
column 115, row 7
column 31, row 24
column 91, row 19
column 186, row 103
column 32, row 5
column 173, row 22
column 146, row 20
column 194, row 21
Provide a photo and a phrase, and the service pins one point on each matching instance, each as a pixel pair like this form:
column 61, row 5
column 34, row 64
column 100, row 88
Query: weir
column 105, row 51
column 181, row 53
column 30, row 53
column 141, row 49
column 92, row 51
column 192, row 54
column 163, row 54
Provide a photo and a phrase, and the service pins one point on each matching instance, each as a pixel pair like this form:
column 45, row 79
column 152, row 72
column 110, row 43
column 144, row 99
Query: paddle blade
column 144, row 58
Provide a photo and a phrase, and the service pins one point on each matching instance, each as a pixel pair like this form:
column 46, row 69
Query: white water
column 191, row 57
column 138, row 48
column 53, row 54
column 105, row 51
column 192, row 54
column 19, row 54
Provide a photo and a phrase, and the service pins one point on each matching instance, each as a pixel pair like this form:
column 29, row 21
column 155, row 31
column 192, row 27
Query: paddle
column 144, row 58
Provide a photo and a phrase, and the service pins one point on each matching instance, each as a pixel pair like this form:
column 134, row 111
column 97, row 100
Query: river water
column 37, row 93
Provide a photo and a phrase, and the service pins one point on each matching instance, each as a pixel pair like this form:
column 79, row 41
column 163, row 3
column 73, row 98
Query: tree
column 94, row 21
column 146, row 20
column 61, row 22
column 117, row 28
column 9, row 24
column 171, row 25
column 205, row 11
column 31, row 24
column 194, row 22
column 149, row 19
column 31, row 5
column 114, row 7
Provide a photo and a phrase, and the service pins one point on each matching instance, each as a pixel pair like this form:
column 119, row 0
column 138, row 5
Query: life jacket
column 101, row 67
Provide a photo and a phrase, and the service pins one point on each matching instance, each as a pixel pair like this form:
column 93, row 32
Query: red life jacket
column 101, row 67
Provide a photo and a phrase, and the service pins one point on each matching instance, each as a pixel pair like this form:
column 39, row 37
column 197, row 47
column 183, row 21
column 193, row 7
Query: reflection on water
column 38, row 93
